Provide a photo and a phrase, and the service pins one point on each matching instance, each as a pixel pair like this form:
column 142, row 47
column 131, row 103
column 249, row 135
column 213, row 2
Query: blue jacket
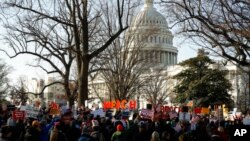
column 45, row 131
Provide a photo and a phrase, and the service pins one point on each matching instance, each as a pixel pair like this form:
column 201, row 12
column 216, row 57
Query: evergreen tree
column 201, row 83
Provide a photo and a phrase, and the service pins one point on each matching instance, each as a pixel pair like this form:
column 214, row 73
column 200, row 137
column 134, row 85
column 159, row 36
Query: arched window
column 151, row 39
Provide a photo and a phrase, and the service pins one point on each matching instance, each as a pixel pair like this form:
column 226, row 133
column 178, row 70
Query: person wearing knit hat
column 118, row 135
column 119, row 127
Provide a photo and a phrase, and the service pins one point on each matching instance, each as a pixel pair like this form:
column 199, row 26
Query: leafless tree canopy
column 156, row 87
column 61, row 30
column 219, row 25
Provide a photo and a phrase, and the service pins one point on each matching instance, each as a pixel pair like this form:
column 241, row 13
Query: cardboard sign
column 18, row 115
column 147, row 114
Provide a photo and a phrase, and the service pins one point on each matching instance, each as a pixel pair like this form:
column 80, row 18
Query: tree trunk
column 83, row 84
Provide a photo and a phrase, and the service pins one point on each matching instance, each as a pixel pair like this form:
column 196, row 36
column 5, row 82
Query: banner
column 18, row 115
column 147, row 114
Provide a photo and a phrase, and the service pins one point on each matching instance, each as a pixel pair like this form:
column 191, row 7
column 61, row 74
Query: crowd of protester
column 86, row 127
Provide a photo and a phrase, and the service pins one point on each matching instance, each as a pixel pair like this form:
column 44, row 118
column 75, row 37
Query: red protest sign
column 18, row 115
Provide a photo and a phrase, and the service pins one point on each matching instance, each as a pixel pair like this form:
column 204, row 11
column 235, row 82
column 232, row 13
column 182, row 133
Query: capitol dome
column 152, row 27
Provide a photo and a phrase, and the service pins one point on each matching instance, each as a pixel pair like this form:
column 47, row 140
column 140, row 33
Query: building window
column 151, row 39
column 159, row 39
column 155, row 39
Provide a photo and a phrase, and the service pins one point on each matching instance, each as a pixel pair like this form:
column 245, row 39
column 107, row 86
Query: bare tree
column 221, row 26
column 156, row 87
column 47, row 45
column 122, row 65
column 89, row 27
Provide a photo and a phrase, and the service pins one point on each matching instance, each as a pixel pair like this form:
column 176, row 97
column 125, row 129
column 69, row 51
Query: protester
column 155, row 136
column 142, row 134
column 118, row 135
column 33, row 132
column 96, row 134
column 85, row 136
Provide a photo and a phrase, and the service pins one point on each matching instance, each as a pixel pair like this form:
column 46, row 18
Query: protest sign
column 204, row 110
column 18, row 115
column 197, row 110
column 54, row 109
column 184, row 116
column 99, row 112
column 30, row 111
column 147, row 114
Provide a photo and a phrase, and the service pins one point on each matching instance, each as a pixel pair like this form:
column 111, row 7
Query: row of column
column 167, row 58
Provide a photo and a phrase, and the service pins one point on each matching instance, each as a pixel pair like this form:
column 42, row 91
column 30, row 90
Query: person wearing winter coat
column 118, row 135
column 96, row 134
column 45, row 129
column 33, row 132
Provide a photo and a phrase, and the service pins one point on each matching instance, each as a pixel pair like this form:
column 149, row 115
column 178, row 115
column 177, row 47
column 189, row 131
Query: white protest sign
column 30, row 111
column 99, row 112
